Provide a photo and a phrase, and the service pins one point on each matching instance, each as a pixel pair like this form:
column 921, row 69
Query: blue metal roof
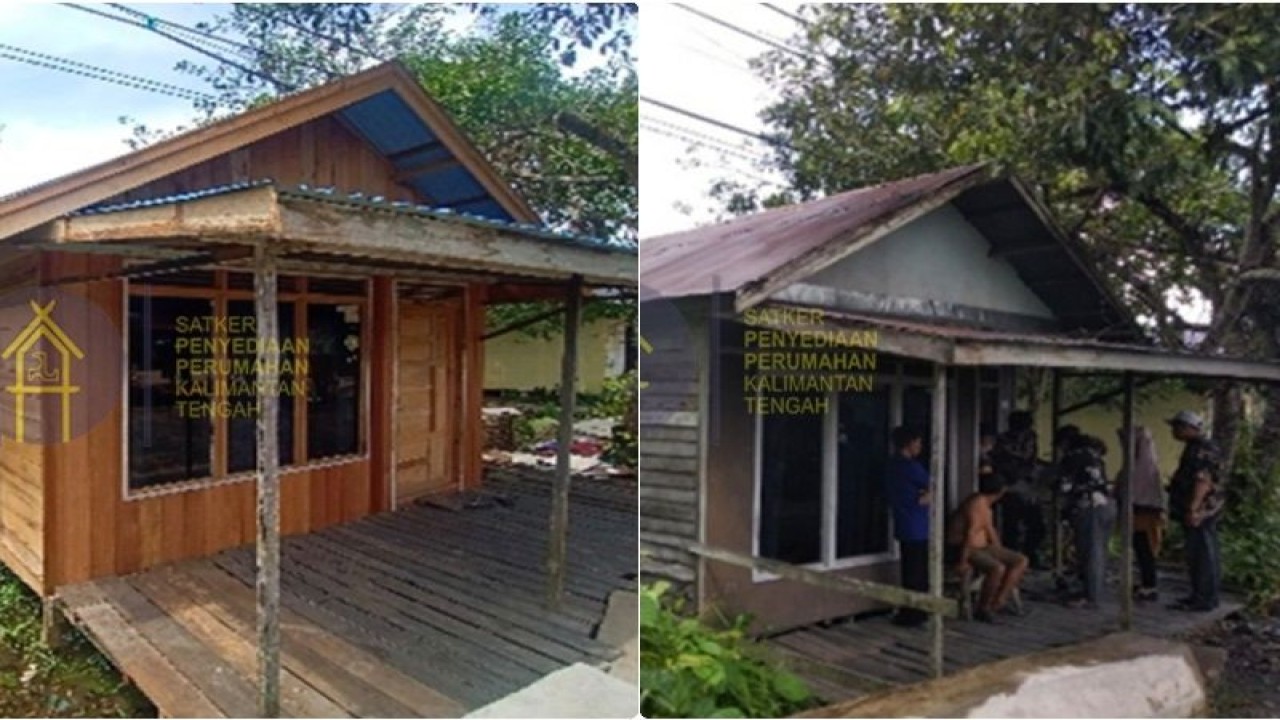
column 387, row 122
column 371, row 202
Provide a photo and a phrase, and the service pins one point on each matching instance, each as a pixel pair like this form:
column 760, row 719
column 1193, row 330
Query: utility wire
column 692, row 140
column 279, row 84
column 710, row 121
column 52, row 62
column 787, row 14
column 746, row 153
column 242, row 48
column 742, row 31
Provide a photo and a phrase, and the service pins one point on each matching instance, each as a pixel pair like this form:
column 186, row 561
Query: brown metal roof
column 758, row 255
column 730, row 255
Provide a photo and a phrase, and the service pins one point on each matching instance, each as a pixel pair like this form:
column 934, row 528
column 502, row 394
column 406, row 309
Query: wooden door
column 428, row 398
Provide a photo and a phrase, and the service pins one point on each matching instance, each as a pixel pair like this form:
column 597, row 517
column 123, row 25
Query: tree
column 1152, row 130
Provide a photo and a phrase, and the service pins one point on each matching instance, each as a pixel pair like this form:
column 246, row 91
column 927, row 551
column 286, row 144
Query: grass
column 71, row 681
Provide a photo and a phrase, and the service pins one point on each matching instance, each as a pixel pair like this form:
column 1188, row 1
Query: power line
column 746, row 153
column 242, row 48
column 73, row 67
column 787, row 14
column 279, row 84
column 710, row 121
column 742, row 31
column 644, row 125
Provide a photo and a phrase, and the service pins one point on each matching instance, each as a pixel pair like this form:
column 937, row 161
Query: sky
column 695, row 64
column 52, row 122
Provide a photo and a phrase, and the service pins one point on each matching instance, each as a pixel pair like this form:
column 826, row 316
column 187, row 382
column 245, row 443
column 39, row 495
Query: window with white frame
column 819, row 481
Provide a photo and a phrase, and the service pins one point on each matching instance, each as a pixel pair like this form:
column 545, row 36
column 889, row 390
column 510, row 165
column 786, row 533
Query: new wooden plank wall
column 320, row 153
column 91, row 530
column 21, row 464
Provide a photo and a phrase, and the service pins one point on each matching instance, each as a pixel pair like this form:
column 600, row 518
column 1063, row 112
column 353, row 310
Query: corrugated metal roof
column 387, row 122
column 371, row 202
column 732, row 255
column 727, row 256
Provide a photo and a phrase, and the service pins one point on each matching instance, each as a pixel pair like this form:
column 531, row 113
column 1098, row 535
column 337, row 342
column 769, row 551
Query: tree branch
column 578, row 127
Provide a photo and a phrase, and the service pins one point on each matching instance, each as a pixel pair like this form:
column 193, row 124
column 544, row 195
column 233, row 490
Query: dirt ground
column 1250, row 683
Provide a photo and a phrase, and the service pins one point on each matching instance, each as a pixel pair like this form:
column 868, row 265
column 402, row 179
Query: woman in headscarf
column 1148, row 510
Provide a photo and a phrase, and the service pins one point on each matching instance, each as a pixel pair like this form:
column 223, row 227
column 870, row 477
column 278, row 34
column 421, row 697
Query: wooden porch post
column 564, row 439
column 1055, row 414
column 1126, row 510
column 937, row 508
column 268, row 541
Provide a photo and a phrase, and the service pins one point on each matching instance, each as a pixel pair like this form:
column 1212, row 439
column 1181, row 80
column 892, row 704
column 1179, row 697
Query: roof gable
column 385, row 107
column 758, row 256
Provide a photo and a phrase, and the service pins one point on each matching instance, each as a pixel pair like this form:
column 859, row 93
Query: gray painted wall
column 938, row 257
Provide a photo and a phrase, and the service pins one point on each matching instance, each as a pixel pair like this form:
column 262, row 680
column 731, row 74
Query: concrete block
column 1117, row 676
column 577, row 691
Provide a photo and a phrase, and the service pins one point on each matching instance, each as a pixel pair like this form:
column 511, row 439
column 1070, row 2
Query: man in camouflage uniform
column 1196, row 501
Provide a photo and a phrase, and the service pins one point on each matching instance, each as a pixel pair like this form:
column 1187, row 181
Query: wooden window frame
column 221, row 294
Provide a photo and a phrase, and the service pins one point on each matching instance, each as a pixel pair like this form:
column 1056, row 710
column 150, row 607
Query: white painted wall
column 938, row 257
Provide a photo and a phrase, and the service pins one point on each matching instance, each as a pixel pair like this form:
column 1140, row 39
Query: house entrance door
column 428, row 397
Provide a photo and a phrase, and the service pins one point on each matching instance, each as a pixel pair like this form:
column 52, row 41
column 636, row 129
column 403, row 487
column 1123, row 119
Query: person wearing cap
column 1196, row 501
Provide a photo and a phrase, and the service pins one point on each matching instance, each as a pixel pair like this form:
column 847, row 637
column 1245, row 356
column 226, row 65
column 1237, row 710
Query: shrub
column 1250, row 530
column 688, row 669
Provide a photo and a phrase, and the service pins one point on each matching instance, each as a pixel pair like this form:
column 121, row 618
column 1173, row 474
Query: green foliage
column 1250, row 530
column 690, row 670
column 1149, row 129
column 35, row 680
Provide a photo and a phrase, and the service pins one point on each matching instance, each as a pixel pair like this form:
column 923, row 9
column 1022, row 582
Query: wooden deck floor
column 848, row 658
column 424, row 612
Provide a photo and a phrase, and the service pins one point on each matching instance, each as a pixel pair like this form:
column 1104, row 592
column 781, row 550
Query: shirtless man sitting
column 973, row 538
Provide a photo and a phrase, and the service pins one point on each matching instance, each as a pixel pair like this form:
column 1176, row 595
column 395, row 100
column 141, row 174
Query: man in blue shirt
column 908, row 490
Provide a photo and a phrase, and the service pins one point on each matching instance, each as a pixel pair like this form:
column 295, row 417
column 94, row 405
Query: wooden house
column 389, row 234
column 943, row 285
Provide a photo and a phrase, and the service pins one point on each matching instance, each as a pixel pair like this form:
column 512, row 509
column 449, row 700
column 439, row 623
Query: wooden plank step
column 353, row 678
column 173, row 694
column 233, row 694
column 194, row 614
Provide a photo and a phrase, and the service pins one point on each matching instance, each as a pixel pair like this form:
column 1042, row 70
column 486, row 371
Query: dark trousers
column 1022, row 526
column 1202, row 562
column 915, row 576
column 1143, row 551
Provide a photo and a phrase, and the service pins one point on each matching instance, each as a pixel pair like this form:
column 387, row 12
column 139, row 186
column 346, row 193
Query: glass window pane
column 791, row 488
column 240, row 375
column 333, row 405
column 862, row 510
column 170, row 390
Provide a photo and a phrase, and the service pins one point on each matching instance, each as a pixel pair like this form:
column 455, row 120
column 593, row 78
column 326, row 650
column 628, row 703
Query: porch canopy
column 954, row 345
column 330, row 232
